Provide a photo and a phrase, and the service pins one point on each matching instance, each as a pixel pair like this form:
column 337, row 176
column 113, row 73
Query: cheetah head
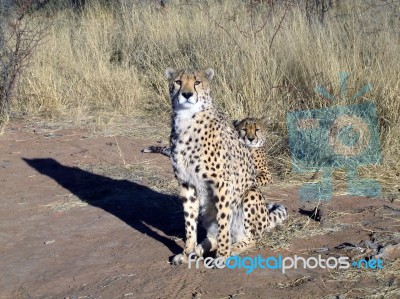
column 190, row 89
column 252, row 131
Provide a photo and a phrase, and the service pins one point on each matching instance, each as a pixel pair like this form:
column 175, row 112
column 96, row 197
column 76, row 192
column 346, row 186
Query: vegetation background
column 99, row 62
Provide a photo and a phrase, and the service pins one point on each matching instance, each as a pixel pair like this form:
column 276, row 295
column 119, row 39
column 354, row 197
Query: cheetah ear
column 169, row 73
column 236, row 123
column 209, row 73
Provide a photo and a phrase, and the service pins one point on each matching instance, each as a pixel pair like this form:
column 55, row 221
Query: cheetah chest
column 196, row 151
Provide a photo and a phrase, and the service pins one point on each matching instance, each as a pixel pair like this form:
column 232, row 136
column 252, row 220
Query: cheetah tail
column 277, row 214
column 166, row 151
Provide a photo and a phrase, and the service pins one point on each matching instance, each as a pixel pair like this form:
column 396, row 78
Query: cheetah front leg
column 206, row 246
column 218, row 235
column 191, row 214
column 210, row 242
column 223, row 205
column 209, row 220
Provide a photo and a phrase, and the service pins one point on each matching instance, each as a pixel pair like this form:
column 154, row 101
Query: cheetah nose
column 251, row 139
column 187, row 95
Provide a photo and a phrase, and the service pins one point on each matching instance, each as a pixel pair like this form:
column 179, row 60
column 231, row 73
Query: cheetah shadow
column 143, row 209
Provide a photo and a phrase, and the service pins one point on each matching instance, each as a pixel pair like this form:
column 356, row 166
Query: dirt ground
column 86, row 216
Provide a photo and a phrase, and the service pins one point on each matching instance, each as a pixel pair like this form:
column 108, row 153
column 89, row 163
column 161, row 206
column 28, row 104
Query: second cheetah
column 253, row 132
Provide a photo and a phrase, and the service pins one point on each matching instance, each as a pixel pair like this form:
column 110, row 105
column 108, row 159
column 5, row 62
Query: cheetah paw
column 199, row 250
column 236, row 250
column 179, row 259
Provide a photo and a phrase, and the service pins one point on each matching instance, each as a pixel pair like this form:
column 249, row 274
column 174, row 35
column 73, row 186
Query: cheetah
column 214, row 171
column 253, row 133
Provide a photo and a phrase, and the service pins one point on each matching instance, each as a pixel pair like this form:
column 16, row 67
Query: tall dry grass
column 107, row 61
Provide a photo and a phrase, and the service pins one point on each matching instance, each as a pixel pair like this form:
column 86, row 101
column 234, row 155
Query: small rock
column 390, row 251
column 370, row 244
column 49, row 242
column 349, row 246
column 314, row 214
column 322, row 249
column 128, row 294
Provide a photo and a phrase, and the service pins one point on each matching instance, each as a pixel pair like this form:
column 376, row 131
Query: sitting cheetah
column 253, row 133
column 215, row 172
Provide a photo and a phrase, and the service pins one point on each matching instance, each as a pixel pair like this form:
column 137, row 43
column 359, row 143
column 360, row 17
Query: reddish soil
column 120, row 243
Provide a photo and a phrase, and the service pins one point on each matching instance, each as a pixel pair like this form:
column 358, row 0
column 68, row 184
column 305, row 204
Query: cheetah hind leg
column 254, row 220
column 264, row 178
column 269, row 217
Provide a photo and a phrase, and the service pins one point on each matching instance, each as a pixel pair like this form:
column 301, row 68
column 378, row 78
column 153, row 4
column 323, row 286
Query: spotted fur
column 215, row 172
column 252, row 132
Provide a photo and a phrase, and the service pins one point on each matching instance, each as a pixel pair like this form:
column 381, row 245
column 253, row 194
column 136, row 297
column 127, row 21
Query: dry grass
column 106, row 63
column 68, row 201
column 387, row 278
column 302, row 228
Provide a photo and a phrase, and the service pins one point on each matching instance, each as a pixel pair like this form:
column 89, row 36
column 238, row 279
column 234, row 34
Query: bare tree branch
column 20, row 35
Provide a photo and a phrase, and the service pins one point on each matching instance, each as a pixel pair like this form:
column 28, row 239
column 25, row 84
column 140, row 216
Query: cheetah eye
column 178, row 82
column 197, row 82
